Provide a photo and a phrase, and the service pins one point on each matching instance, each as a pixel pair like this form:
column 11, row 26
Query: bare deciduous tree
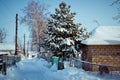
column 2, row 35
column 117, row 3
column 35, row 17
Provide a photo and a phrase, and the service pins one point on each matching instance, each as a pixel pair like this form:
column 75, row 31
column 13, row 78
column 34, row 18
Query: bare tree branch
column 2, row 35
column 117, row 17
column 115, row 2
column 35, row 17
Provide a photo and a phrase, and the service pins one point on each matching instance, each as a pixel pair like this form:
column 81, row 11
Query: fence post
column 4, row 68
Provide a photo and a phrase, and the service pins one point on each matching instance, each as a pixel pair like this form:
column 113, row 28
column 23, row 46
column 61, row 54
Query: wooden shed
column 103, row 48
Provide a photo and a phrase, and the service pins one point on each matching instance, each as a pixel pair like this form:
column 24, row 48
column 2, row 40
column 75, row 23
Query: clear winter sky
column 88, row 12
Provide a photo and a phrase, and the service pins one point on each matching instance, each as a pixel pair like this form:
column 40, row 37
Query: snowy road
column 39, row 69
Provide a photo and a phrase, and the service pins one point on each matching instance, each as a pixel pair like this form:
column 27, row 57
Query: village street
column 60, row 40
column 39, row 69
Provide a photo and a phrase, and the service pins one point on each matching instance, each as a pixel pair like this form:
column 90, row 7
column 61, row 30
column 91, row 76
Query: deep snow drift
column 39, row 69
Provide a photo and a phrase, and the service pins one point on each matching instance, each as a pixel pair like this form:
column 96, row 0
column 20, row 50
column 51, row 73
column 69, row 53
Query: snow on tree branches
column 64, row 34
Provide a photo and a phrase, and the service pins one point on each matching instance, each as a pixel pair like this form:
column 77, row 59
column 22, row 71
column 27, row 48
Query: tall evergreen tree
column 64, row 36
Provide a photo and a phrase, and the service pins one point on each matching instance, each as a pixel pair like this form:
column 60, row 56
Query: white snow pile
column 67, row 41
column 104, row 35
column 39, row 69
column 32, row 54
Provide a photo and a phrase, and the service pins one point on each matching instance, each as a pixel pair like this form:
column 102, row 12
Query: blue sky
column 88, row 11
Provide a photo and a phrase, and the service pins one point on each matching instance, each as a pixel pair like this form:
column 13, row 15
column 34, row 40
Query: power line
column 5, row 6
column 6, row 11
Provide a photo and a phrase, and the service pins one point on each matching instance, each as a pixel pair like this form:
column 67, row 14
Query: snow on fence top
column 104, row 35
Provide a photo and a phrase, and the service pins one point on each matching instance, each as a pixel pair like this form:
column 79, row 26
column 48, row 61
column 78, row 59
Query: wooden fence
column 8, row 61
column 2, row 67
column 89, row 66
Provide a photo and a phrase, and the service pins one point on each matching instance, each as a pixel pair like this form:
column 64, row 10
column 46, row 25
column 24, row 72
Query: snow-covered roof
column 4, row 46
column 104, row 35
column 3, row 53
column 33, row 52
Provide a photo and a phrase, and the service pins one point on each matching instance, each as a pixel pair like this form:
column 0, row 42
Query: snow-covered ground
column 39, row 69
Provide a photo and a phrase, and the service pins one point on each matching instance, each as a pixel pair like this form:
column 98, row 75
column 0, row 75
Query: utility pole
column 27, row 47
column 24, row 46
column 16, row 36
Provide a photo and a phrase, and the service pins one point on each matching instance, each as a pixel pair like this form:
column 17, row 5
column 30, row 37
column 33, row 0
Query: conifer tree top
column 63, row 31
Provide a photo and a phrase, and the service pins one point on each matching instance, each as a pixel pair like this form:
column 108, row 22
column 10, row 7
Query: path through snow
column 39, row 69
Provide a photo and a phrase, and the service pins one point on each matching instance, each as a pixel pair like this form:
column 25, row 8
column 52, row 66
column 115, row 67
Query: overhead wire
column 6, row 6
column 6, row 11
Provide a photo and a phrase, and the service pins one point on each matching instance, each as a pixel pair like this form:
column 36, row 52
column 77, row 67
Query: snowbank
column 104, row 35
column 39, row 69
column 32, row 54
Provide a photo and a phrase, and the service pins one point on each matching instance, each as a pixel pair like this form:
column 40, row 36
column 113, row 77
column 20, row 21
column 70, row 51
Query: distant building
column 103, row 47
column 7, row 48
column 7, row 52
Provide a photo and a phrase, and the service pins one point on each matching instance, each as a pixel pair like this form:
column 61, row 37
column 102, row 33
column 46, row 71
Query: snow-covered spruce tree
column 65, row 36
